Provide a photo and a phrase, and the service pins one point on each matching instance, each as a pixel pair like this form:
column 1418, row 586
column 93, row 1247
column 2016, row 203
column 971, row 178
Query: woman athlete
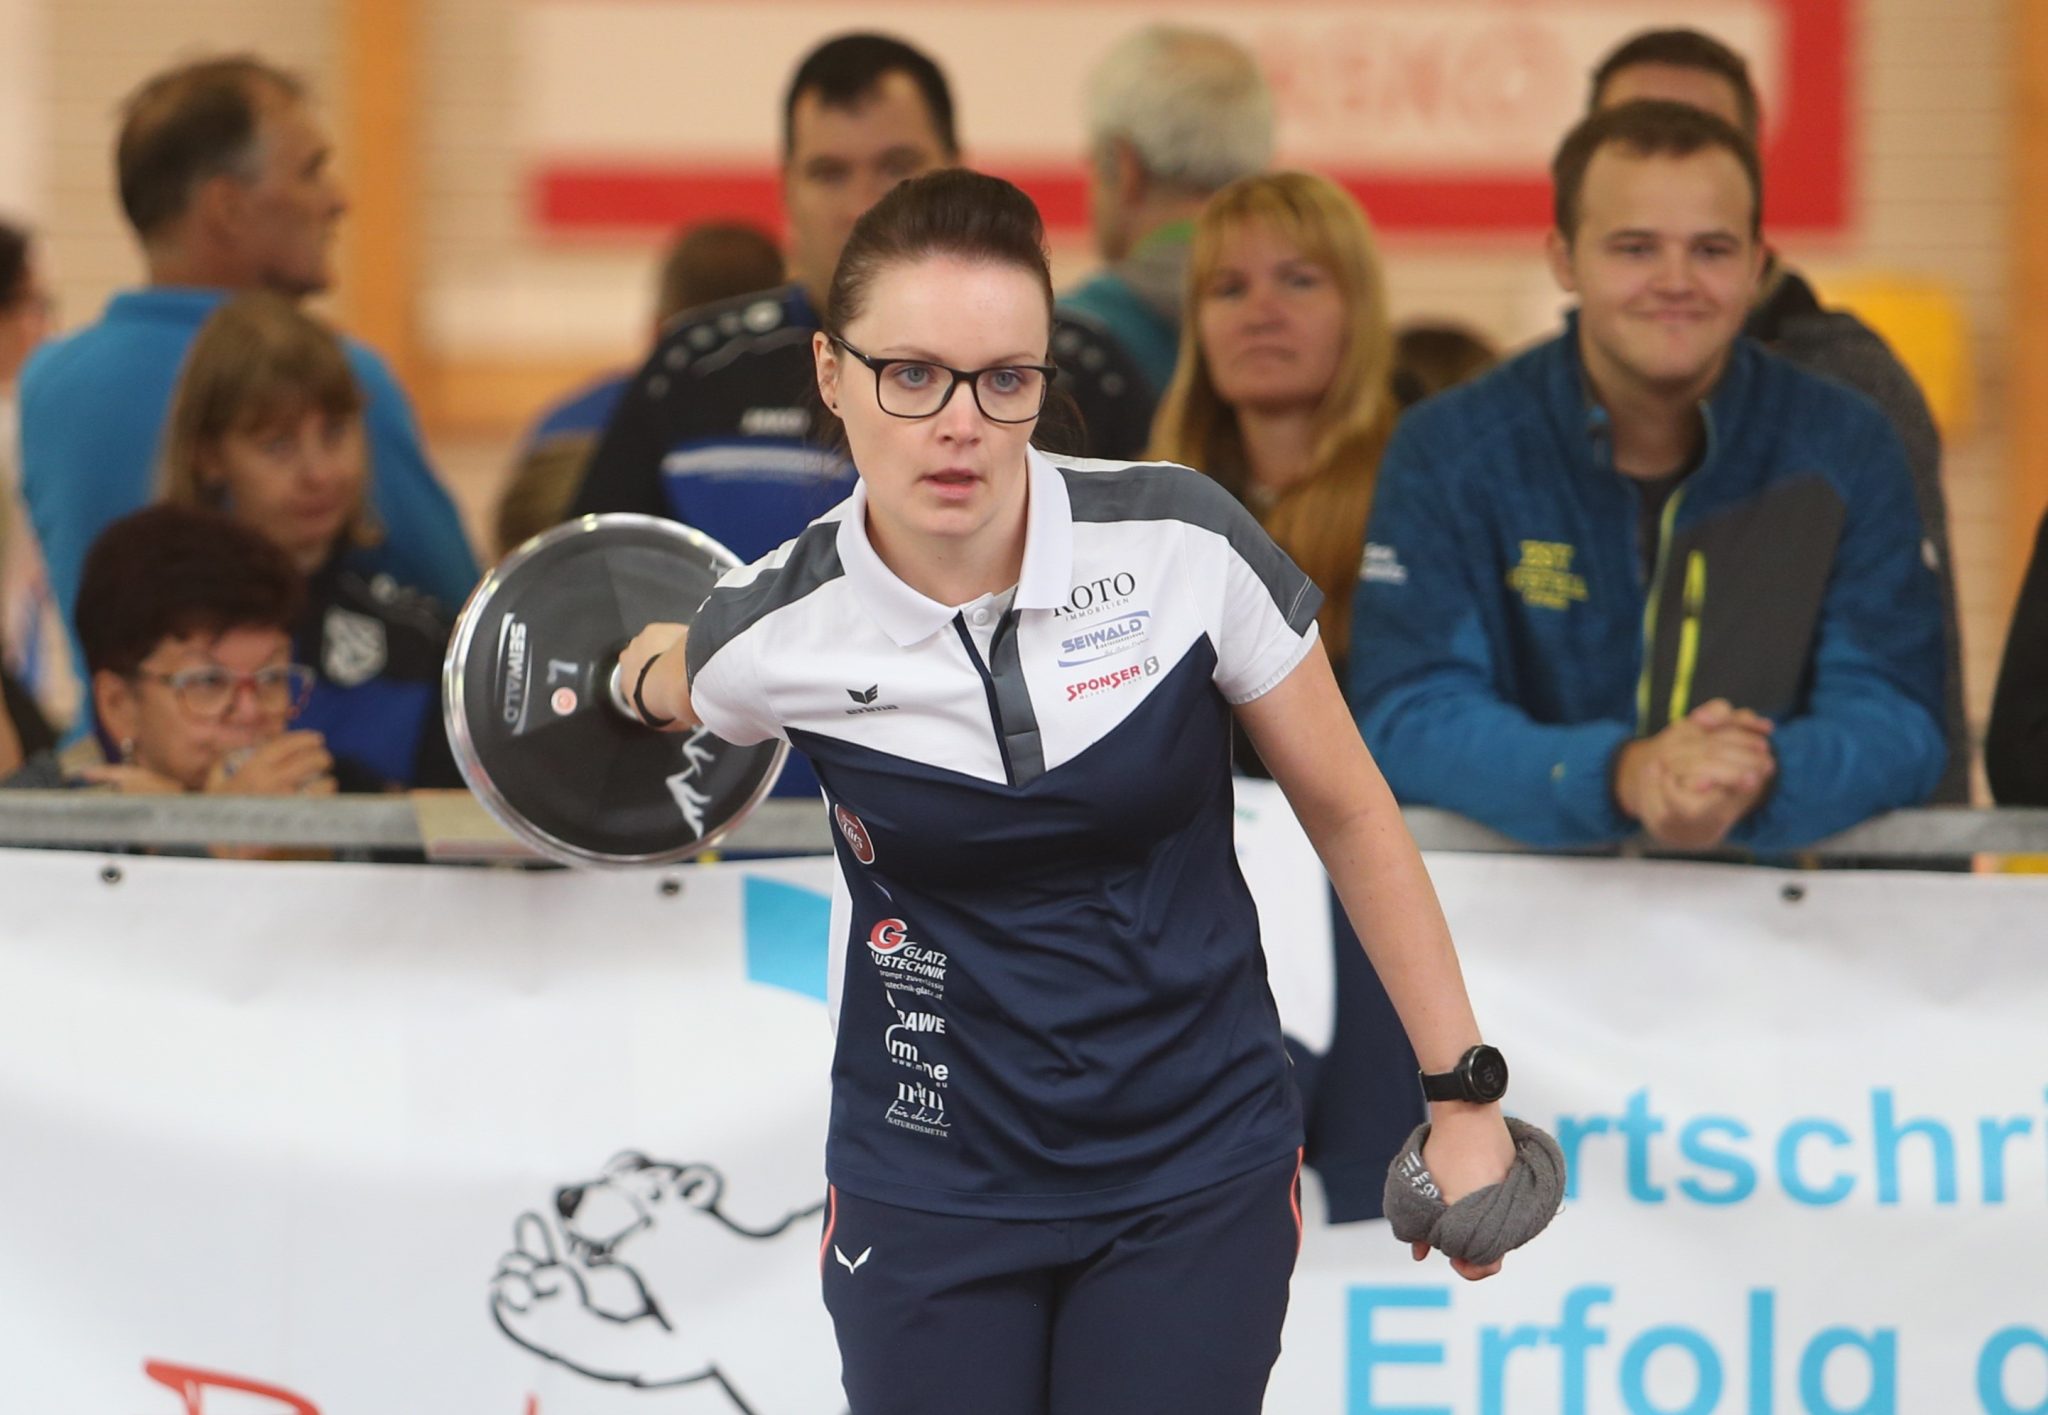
column 1064, row 1143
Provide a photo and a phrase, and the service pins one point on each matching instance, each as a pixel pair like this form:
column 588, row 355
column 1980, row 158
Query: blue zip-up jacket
column 1506, row 642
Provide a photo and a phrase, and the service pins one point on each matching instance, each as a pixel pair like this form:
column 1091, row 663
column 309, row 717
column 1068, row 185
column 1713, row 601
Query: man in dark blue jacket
column 722, row 429
column 1648, row 577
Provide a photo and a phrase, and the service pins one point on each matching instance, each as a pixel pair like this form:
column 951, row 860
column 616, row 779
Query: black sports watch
column 1481, row 1075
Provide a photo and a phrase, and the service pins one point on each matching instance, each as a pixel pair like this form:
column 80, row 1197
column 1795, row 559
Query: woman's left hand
column 654, row 676
column 1468, row 1148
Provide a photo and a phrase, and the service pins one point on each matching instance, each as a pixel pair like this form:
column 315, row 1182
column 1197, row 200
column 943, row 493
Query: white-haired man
column 1174, row 114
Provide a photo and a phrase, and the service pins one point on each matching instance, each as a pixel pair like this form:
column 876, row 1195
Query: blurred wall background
column 488, row 309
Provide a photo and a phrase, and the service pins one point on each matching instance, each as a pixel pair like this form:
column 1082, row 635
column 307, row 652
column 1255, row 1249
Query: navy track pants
column 1173, row 1307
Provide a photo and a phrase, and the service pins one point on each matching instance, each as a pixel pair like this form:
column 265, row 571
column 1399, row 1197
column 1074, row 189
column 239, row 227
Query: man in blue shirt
column 1174, row 115
column 224, row 175
column 1647, row 576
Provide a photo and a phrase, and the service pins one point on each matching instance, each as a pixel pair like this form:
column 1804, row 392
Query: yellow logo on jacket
column 1544, row 579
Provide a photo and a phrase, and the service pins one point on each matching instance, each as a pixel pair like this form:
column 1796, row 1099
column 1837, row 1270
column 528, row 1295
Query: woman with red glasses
column 186, row 619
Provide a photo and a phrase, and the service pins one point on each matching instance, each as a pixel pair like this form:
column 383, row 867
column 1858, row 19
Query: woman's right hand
column 290, row 764
column 1469, row 1147
column 665, row 691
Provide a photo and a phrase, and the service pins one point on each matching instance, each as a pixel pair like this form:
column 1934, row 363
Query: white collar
column 909, row 617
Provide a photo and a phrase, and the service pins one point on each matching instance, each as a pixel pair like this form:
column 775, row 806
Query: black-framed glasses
column 210, row 692
column 919, row 388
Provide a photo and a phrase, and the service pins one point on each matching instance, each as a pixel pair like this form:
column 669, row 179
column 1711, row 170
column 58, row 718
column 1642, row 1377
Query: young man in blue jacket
column 1648, row 578
column 1787, row 317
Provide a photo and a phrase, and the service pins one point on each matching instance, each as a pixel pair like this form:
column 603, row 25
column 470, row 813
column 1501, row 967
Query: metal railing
column 451, row 826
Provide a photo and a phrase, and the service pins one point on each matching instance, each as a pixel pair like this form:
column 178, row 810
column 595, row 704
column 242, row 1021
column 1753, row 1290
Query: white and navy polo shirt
column 1046, row 975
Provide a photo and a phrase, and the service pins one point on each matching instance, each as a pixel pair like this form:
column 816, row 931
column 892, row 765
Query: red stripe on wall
column 598, row 198
column 1806, row 164
column 1804, row 191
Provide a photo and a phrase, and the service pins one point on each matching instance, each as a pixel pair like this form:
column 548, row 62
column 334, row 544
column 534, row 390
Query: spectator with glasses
column 186, row 618
column 267, row 426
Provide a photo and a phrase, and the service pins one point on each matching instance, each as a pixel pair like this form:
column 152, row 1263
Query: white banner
column 1806, row 1121
column 355, row 1135
column 356, row 1140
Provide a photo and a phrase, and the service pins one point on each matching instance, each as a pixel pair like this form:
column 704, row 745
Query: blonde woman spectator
column 1282, row 391
column 267, row 425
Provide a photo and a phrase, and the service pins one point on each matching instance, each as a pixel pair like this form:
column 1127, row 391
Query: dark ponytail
column 951, row 212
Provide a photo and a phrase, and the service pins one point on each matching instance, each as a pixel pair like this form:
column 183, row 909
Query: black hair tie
column 640, row 703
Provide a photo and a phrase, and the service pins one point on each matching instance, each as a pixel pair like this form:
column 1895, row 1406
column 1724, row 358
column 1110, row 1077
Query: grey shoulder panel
column 1165, row 491
column 812, row 563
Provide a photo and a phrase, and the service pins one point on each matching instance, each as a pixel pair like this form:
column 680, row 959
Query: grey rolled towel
column 1487, row 1224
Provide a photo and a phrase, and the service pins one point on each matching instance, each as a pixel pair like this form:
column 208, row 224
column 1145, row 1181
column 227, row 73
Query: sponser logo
column 1109, row 682
column 888, row 935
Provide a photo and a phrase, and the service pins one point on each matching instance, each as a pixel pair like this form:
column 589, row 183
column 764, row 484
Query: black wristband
column 640, row 703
